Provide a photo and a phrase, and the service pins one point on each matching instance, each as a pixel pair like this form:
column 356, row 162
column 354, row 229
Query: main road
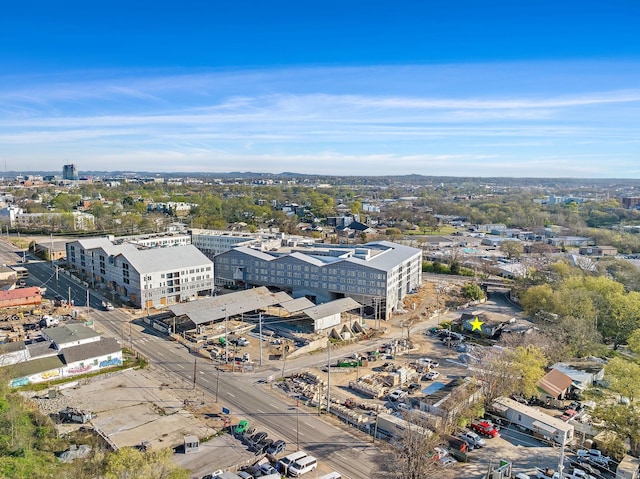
column 244, row 395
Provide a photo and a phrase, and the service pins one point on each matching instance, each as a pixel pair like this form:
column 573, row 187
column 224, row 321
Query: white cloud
column 386, row 120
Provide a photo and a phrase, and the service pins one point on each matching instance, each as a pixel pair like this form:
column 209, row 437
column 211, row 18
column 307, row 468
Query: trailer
column 541, row 425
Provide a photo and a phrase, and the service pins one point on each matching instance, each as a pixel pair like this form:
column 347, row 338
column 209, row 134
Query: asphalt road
column 243, row 394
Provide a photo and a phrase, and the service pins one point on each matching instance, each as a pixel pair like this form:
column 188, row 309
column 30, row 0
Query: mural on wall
column 110, row 362
column 79, row 370
column 50, row 374
column 19, row 382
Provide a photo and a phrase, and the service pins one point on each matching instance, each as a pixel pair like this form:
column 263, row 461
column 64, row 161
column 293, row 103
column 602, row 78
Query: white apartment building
column 144, row 277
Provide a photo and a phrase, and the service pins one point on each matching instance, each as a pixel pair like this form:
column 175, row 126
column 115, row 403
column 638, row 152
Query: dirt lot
column 131, row 407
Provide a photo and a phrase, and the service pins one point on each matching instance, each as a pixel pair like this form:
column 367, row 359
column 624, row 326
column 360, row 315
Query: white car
column 428, row 362
column 472, row 439
column 431, row 375
column 397, row 395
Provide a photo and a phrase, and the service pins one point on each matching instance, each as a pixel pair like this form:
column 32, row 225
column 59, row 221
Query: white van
column 302, row 466
column 285, row 462
column 331, row 475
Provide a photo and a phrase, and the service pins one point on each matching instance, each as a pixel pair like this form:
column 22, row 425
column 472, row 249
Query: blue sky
column 459, row 88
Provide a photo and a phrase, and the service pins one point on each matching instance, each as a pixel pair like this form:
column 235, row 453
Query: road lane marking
column 261, row 412
column 232, row 395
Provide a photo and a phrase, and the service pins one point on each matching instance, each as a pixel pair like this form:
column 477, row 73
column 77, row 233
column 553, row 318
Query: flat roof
column 69, row 332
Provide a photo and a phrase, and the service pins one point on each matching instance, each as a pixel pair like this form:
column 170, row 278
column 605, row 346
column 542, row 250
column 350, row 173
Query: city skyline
column 532, row 90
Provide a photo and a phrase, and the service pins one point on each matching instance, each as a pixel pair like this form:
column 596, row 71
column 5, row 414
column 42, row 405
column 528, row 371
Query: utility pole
column 226, row 336
column 69, row 292
column 195, row 363
column 328, row 377
column 260, row 330
column 297, row 427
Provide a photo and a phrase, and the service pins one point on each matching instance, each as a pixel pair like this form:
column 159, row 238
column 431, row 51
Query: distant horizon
column 498, row 89
column 296, row 174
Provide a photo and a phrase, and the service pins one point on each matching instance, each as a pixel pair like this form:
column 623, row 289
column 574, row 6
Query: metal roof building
column 378, row 274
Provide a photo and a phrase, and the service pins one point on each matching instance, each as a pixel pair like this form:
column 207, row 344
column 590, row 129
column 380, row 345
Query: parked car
column 262, row 446
column 413, row 387
column 268, row 469
column 579, row 474
column 485, row 428
column 257, row 437
column 594, row 456
column 430, row 376
column 242, row 342
column 277, row 447
column 428, row 362
column 397, row 395
column 242, row 427
column 404, row 407
column 447, row 461
column 472, row 439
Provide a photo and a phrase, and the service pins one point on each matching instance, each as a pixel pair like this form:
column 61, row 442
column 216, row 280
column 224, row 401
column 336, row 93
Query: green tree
column 528, row 364
column 473, row 291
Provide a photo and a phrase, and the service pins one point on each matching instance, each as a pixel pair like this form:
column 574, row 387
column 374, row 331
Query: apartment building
column 144, row 277
column 378, row 274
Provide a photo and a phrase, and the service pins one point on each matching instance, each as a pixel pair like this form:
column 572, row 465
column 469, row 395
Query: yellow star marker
column 476, row 324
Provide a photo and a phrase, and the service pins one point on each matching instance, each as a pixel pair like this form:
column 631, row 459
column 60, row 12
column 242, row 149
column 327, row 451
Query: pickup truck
column 485, row 428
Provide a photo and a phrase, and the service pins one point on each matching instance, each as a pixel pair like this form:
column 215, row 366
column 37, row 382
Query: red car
column 485, row 428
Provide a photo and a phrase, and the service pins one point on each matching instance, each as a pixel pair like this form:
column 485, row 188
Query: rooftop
column 69, row 332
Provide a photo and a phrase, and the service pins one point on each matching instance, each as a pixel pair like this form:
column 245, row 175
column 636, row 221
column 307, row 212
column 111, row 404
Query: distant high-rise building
column 70, row 172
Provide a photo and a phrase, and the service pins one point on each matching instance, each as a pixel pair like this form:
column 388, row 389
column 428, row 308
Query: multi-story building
column 378, row 274
column 70, row 172
column 144, row 277
column 212, row 242
column 631, row 202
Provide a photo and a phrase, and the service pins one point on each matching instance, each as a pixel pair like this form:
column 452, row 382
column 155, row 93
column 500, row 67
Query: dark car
column 277, row 447
column 253, row 470
column 262, row 446
column 257, row 437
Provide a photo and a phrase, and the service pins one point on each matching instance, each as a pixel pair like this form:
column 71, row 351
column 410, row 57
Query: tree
column 513, row 249
column 473, row 291
column 623, row 377
column 528, row 363
column 622, row 419
column 634, row 341
column 511, row 371
column 413, row 450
